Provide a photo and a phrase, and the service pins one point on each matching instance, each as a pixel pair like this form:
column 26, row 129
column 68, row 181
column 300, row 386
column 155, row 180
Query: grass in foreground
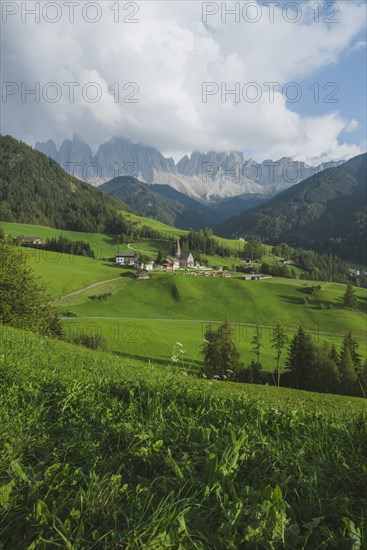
column 101, row 453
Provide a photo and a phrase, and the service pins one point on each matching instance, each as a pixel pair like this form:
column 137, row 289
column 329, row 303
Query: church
column 185, row 259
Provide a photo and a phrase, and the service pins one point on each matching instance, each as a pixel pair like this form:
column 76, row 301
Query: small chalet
column 143, row 266
column 256, row 277
column 124, row 258
column 171, row 264
column 31, row 240
column 143, row 274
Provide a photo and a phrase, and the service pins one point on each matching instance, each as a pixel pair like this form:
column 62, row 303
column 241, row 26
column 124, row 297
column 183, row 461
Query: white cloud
column 169, row 54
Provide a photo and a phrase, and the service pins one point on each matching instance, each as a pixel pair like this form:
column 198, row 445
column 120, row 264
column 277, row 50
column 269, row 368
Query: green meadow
column 145, row 319
column 103, row 452
column 104, row 246
column 170, row 308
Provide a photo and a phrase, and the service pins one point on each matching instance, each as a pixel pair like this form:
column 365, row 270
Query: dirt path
column 85, row 288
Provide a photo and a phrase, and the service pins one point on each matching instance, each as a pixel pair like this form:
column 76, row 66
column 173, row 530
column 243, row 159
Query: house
column 134, row 223
column 141, row 265
column 287, row 262
column 148, row 266
column 143, row 274
column 227, row 275
column 31, row 240
column 256, row 277
column 171, row 264
column 124, row 258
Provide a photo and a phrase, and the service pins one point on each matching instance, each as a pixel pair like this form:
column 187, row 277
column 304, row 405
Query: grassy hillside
column 161, row 202
column 100, row 452
column 327, row 212
column 35, row 189
column 104, row 246
column 145, row 319
column 170, row 296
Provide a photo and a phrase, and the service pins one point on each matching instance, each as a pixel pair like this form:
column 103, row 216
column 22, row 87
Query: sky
column 280, row 79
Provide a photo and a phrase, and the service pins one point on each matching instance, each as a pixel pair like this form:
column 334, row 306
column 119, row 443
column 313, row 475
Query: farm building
column 141, row 265
column 124, row 258
column 31, row 240
column 143, row 274
column 171, row 264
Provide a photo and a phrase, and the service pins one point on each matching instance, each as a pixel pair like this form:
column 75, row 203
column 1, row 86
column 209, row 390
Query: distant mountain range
column 34, row 189
column 327, row 212
column 169, row 206
column 202, row 176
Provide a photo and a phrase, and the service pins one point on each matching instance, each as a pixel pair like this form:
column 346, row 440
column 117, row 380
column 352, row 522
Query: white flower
column 178, row 344
column 210, row 383
column 182, row 351
column 174, row 359
column 224, row 377
column 206, row 341
column 216, row 377
column 183, row 372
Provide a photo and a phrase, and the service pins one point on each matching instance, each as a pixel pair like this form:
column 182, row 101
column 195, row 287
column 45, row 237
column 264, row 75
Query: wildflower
column 174, row 359
column 182, row 351
column 206, row 341
column 224, row 377
column 183, row 372
column 178, row 344
column 216, row 377
column 210, row 383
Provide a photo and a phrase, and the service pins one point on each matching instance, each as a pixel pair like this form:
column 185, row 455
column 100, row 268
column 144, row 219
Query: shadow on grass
column 164, row 362
column 292, row 300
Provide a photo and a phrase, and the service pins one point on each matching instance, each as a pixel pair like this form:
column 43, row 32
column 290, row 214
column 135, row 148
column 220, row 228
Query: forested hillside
column 327, row 212
column 160, row 202
column 35, row 189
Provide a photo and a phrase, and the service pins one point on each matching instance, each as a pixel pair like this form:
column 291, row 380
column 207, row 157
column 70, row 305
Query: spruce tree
column 278, row 342
column 348, row 377
column 300, row 360
column 221, row 356
column 350, row 298
column 325, row 375
column 351, row 343
column 256, row 343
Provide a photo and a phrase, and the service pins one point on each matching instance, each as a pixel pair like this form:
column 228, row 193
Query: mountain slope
column 327, row 211
column 35, row 189
column 165, row 204
column 160, row 202
column 202, row 176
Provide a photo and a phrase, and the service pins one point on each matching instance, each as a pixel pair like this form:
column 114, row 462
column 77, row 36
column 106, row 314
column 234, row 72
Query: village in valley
column 182, row 262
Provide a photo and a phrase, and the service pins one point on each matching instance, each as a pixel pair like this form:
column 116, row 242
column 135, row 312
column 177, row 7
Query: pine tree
column 160, row 256
column 278, row 342
column 325, row 375
column 351, row 343
column 221, row 356
column 348, row 377
column 256, row 343
column 300, row 360
column 350, row 298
